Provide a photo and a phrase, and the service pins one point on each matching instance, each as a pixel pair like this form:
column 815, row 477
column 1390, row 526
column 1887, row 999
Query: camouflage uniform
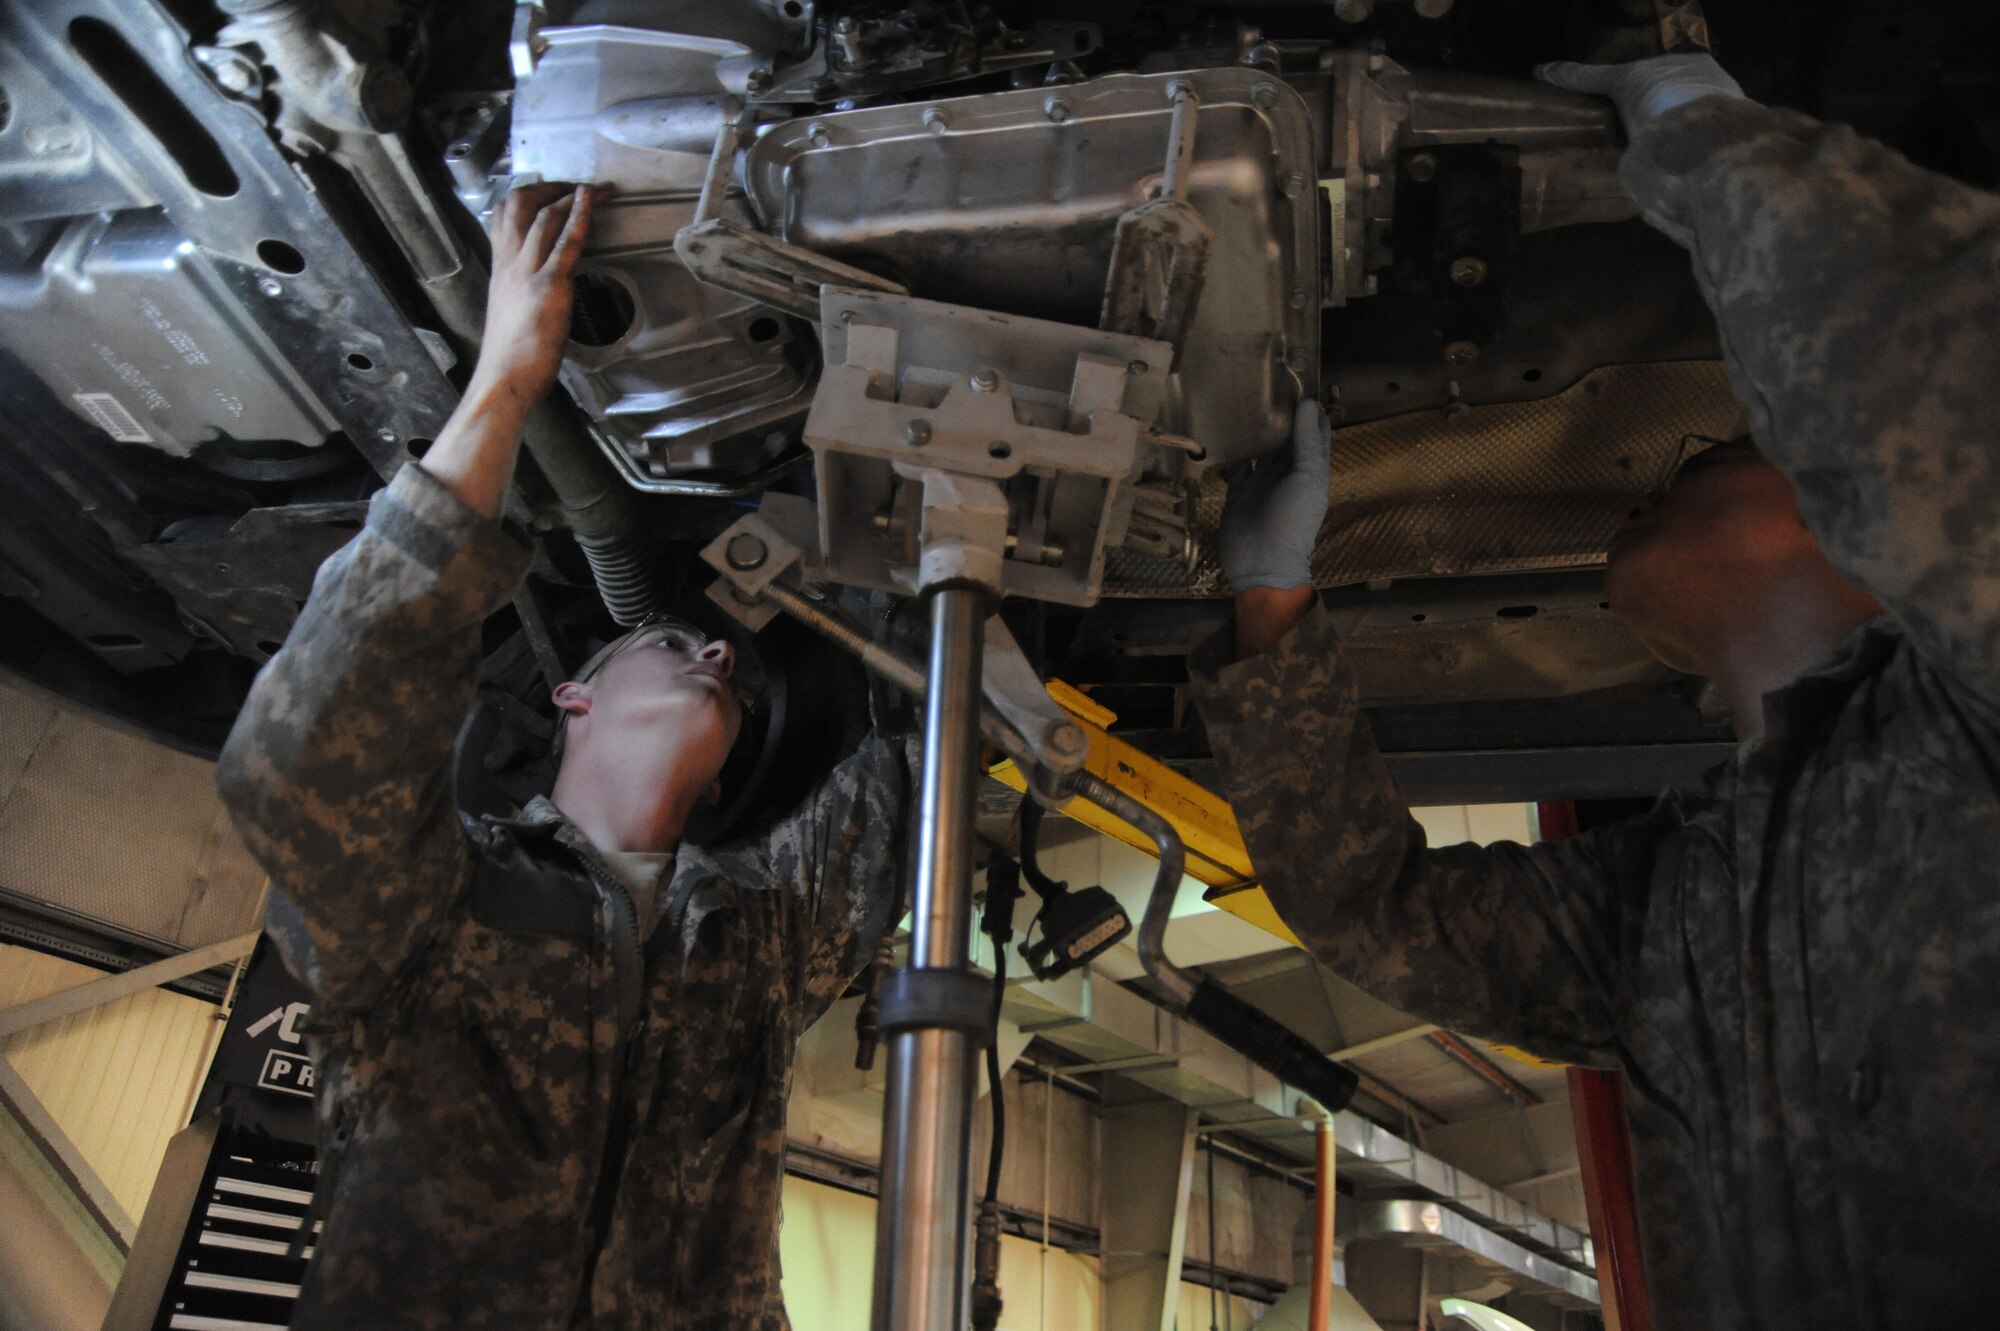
column 530, row 1116
column 1797, row 967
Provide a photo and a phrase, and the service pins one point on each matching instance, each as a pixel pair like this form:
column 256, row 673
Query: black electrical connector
column 1073, row 926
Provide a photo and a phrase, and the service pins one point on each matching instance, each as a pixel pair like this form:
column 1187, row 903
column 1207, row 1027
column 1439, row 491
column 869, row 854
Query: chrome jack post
column 935, row 1012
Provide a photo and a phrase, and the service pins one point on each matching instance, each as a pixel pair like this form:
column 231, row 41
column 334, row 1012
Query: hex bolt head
column 1461, row 354
column 936, row 121
column 1422, row 168
column 1056, row 109
column 384, row 98
column 271, row 286
column 985, row 381
column 1468, row 270
column 816, row 134
column 1294, row 184
column 1065, row 740
column 1264, row 95
column 386, row 435
column 745, row 552
column 757, row 80
column 1136, row 367
column 917, row 432
column 1297, row 362
column 1298, row 298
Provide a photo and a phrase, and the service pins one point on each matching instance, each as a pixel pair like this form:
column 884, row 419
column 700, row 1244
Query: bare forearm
column 537, row 235
column 1266, row 614
column 475, row 452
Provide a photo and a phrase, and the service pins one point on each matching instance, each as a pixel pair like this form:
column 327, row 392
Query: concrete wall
column 111, row 825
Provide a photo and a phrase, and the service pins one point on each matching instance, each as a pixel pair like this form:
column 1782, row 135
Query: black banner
column 262, row 1073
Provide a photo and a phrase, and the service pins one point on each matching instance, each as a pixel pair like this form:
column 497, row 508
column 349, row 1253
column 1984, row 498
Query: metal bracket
column 1013, row 689
column 525, row 42
column 1159, row 255
column 750, row 556
column 761, row 569
column 963, row 535
column 729, row 255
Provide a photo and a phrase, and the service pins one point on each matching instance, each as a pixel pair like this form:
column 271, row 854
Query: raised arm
column 339, row 769
column 1523, row 944
column 1859, row 303
column 833, row 865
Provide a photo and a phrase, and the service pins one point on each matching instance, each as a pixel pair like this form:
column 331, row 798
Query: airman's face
column 1683, row 561
column 666, row 685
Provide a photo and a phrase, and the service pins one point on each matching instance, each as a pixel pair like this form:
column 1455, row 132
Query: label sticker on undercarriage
column 112, row 417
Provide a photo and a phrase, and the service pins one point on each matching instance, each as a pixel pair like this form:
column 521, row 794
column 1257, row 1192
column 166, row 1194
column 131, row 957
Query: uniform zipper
column 329, row 1177
column 623, row 945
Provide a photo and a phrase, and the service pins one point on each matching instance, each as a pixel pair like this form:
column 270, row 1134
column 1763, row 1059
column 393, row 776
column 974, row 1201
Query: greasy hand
column 1272, row 519
column 1645, row 90
column 538, row 232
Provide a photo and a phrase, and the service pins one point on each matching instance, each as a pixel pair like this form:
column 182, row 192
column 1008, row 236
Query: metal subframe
column 922, row 1247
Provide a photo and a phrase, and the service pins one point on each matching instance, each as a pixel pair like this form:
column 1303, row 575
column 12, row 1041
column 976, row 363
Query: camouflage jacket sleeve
column 841, row 856
column 1528, row 945
column 339, row 769
column 1859, row 303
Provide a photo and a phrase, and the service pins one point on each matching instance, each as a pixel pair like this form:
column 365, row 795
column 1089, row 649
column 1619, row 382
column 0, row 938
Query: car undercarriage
column 242, row 280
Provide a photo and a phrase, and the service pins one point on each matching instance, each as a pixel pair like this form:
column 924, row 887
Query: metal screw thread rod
column 721, row 162
column 874, row 655
column 1180, row 143
column 886, row 663
column 921, row 1238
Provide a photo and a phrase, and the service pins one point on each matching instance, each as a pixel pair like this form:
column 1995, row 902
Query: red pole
column 1320, row 1314
column 1604, row 1150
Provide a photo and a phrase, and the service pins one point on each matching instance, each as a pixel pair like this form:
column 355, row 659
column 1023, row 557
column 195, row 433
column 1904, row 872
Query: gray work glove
column 1645, row 90
column 1272, row 518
